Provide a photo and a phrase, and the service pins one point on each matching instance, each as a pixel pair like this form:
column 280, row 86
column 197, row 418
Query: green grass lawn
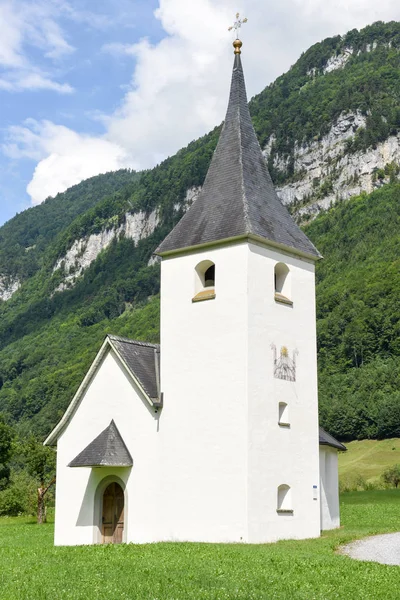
column 31, row 568
column 368, row 459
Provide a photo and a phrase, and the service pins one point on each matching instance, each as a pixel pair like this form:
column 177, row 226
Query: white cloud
column 117, row 49
column 34, row 24
column 11, row 37
column 109, row 15
column 64, row 157
column 179, row 86
column 29, row 80
column 27, row 24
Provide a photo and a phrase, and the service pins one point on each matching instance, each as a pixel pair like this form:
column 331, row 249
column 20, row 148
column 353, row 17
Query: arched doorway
column 113, row 514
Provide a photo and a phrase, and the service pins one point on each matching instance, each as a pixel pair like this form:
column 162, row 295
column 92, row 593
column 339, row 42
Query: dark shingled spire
column 107, row 450
column 238, row 197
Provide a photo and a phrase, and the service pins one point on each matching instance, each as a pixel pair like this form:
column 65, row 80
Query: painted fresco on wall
column 284, row 365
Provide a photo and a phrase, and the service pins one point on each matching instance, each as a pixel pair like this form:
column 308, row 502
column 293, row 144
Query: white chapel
column 213, row 435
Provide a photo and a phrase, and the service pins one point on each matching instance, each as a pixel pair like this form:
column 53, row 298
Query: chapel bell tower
column 238, row 432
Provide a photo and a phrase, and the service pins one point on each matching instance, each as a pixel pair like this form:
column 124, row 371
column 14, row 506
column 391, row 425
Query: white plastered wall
column 203, row 425
column 330, row 511
column 110, row 395
column 223, row 453
column 282, row 455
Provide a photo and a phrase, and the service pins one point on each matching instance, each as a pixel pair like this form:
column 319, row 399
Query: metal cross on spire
column 237, row 25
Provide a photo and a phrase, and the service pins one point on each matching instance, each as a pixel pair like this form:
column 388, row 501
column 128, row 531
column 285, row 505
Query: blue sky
column 88, row 86
column 94, row 76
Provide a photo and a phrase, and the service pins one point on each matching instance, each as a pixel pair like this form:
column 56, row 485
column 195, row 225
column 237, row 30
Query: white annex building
column 212, row 436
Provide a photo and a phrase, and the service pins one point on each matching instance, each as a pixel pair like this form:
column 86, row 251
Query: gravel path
column 383, row 549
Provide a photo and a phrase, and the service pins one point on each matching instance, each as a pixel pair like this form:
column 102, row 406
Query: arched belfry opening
column 204, row 287
column 282, row 283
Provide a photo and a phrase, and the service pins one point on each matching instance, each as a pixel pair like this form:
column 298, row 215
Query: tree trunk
column 41, row 509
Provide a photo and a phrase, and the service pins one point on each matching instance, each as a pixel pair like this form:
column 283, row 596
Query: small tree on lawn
column 391, row 475
column 41, row 464
column 6, row 449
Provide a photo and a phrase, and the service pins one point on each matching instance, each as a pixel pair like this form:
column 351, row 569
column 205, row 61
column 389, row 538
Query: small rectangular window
column 283, row 417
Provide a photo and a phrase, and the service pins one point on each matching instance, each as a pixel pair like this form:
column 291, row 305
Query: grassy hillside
column 367, row 459
column 33, row 568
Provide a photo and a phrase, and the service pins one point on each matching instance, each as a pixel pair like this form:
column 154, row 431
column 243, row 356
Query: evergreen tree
column 6, row 441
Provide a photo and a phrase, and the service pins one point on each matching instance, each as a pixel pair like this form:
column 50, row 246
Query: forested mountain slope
column 84, row 261
column 358, row 315
column 25, row 238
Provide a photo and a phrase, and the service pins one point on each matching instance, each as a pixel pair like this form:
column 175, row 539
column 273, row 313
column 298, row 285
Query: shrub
column 391, row 475
column 359, row 483
column 11, row 502
column 20, row 497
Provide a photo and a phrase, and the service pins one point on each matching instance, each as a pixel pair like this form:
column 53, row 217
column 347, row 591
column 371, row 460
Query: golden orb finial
column 237, row 44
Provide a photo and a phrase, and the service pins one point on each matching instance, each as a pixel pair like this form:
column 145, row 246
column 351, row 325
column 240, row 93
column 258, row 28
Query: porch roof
column 107, row 450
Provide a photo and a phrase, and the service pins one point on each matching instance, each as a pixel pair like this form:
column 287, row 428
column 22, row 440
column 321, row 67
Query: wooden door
column 113, row 514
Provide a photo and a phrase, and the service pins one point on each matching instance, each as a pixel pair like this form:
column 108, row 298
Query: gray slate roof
column 326, row 439
column 142, row 359
column 107, row 450
column 238, row 197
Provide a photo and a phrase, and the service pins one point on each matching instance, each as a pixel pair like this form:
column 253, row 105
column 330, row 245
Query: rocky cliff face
column 334, row 62
column 136, row 227
column 326, row 172
column 8, row 287
column 84, row 251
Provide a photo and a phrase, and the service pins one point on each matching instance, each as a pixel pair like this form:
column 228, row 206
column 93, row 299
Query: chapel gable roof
column 238, row 198
column 326, row 439
column 142, row 360
column 107, row 450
